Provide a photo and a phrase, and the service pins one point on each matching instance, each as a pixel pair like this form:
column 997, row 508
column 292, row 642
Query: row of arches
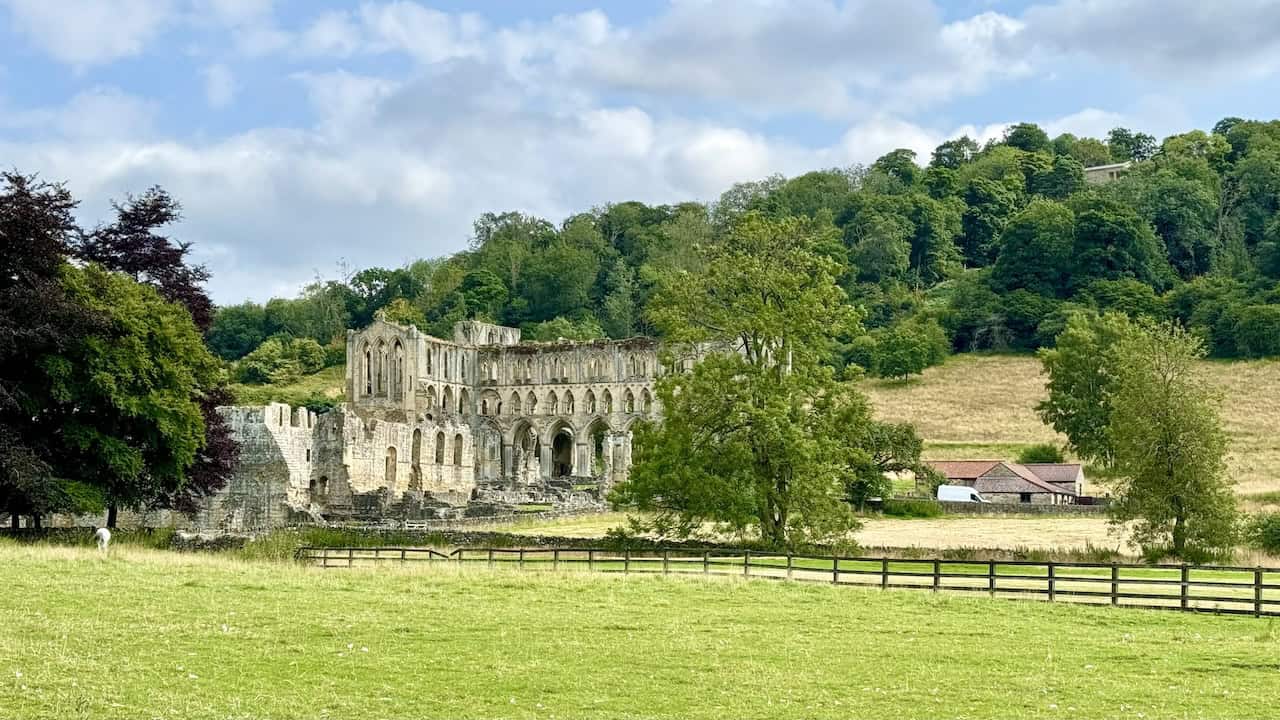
column 441, row 450
column 443, row 359
column 492, row 405
column 556, row 368
column 382, row 369
column 564, row 451
column 554, row 403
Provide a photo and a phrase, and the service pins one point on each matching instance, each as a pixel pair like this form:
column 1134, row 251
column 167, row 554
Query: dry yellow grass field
column 983, row 406
column 997, row 532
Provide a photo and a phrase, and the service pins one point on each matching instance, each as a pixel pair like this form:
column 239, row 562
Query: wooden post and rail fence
column 1192, row 588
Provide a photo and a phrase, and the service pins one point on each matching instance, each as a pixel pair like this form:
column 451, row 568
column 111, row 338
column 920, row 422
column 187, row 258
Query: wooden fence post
column 490, row 557
column 459, row 556
column 665, row 559
column 403, row 558
column 520, row 562
column 324, row 557
column 789, row 565
column 884, row 573
column 1115, row 584
column 1183, row 590
column 991, row 577
column 351, row 557
column 591, row 559
column 555, row 559
column 376, row 556
column 1257, row 592
column 1053, row 583
column 937, row 574
column 626, row 561
column 746, row 563
column 835, row 569
column 706, row 562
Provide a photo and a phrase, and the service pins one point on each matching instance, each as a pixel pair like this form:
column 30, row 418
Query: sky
column 307, row 137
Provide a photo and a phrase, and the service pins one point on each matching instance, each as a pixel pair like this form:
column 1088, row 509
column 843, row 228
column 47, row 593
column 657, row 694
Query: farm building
column 1009, row 482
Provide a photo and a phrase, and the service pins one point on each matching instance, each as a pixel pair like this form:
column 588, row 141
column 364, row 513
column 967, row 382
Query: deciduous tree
column 758, row 435
column 1170, row 448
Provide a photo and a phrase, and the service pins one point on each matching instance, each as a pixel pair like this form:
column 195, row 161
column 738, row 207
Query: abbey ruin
column 433, row 428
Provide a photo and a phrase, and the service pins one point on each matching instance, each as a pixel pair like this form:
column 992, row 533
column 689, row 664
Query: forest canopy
column 977, row 247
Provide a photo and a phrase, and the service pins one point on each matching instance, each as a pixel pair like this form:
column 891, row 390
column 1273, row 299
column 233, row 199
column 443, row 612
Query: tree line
column 108, row 393
column 981, row 247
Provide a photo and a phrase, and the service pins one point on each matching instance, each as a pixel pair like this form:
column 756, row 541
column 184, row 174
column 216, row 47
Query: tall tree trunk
column 15, row 522
column 1179, row 532
column 111, row 515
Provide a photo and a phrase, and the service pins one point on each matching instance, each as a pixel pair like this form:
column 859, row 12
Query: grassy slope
column 982, row 406
column 328, row 383
column 150, row 634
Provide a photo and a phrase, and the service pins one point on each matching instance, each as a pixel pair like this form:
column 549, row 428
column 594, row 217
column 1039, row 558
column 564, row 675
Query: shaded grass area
column 983, row 406
column 199, row 637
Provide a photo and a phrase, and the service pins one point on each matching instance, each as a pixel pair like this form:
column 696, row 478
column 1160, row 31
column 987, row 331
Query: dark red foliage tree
column 36, row 318
column 133, row 245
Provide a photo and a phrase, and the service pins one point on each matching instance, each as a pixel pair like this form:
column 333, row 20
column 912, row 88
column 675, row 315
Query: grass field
column 1043, row 533
column 162, row 635
column 983, row 406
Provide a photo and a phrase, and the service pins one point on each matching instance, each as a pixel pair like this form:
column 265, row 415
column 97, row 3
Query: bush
column 1257, row 330
column 861, row 351
column 912, row 508
column 909, row 347
column 281, row 360
column 1043, row 453
column 1263, row 532
column 309, row 355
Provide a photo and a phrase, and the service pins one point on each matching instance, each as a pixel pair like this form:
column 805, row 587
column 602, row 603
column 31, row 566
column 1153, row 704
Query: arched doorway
column 597, row 438
column 526, row 453
column 415, row 472
column 562, row 453
column 389, row 474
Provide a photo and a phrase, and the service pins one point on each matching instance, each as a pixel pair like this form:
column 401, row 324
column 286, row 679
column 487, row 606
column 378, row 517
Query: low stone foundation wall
column 969, row 508
column 501, row 520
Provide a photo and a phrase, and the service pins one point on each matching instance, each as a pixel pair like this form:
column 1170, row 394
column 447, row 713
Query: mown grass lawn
column 162, row 635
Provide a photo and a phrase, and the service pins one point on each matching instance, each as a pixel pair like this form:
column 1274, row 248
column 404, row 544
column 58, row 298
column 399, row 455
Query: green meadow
column 157, row 634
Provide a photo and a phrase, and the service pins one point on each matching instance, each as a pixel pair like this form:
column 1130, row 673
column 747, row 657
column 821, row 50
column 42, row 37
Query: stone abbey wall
column 436, row 428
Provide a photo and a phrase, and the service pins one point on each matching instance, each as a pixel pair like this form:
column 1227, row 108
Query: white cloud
column 1170, row 39
column 219, row 85
column 548, row 117
column 426, row 34
column 334, row 34
column 89, row 32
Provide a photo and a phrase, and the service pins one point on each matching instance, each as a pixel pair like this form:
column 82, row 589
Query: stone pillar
column 581, row 459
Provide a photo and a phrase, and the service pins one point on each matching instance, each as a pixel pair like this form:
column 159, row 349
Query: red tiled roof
column 1055, row 472
column 963, row 469
column 1038, row 474
column 1026, row 474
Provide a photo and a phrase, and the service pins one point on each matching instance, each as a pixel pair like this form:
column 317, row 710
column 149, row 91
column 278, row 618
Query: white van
column 959, row 493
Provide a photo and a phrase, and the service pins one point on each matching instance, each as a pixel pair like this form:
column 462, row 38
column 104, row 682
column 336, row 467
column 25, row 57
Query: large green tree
column 1036, row 250
column 125, row 401
column 759, row 435
column 1170, row 448
column 1082, row 369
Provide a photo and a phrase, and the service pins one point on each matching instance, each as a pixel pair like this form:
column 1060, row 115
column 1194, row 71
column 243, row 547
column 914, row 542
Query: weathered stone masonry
column 436, row 428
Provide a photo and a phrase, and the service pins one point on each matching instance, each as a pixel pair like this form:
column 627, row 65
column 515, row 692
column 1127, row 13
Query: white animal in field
column 103, row 537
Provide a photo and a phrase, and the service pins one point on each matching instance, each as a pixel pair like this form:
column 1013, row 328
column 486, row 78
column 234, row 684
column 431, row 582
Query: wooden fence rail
column 1193, row 588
